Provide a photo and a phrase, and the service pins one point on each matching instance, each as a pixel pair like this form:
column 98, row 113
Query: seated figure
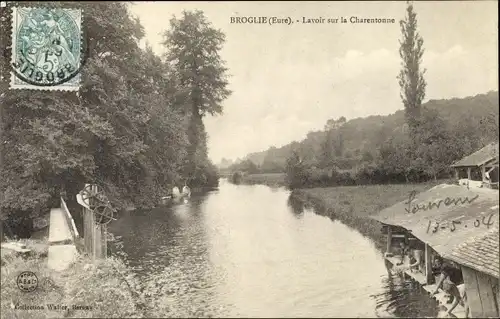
column 176, row 192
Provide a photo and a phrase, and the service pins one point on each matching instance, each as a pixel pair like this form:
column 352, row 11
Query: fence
column 69, row 220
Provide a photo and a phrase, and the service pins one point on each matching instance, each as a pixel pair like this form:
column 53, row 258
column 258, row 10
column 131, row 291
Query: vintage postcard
column 267, row 159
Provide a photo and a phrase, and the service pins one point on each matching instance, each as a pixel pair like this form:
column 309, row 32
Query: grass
column 270, row 179
column 107, row 287
column 352, row 205
column 38, row 250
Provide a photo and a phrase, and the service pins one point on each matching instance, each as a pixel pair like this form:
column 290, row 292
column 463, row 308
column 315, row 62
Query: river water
column 245, row 251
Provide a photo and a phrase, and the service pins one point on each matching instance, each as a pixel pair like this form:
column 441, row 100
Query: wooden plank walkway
column 59, row 231
column 441, row 297
column 62, row 250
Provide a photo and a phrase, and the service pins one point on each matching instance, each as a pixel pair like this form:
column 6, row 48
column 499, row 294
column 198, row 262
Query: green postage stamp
column 46, row 48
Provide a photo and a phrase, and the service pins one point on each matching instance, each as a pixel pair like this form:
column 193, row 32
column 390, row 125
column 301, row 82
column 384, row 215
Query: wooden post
column 468, row 173
column 389, row 239
column 104, row 242
column 428, row 265
column 92, row 234
column 483, row 174
column 496, row 290
column 95, row 230
column 457, row 176
column 97, row 241
column 88, row 222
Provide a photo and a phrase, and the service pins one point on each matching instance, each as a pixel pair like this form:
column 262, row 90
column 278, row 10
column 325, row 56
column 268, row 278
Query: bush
column 236, row 177
column 205, row 175
column 341, row 179
column 296, row 174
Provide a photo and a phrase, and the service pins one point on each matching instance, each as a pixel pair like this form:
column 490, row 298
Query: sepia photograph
column 249, row 159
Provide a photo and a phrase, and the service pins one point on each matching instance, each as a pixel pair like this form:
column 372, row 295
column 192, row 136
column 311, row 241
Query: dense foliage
column 135, row 127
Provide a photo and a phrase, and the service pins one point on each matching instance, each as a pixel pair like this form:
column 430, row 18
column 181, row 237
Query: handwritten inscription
column 454, row 224
column 414, row 208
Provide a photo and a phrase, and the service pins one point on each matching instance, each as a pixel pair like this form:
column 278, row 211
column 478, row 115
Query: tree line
column 374, row 150
column 135, row 127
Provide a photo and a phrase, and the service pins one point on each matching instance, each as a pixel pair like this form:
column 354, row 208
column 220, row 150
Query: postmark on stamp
column 46, row 48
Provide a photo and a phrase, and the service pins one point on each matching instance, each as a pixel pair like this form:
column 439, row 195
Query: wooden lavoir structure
column 479, row 165
column 461, row 225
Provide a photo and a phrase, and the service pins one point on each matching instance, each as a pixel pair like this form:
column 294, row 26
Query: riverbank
column 106, row 289
column 269, row 179
column 353, row 204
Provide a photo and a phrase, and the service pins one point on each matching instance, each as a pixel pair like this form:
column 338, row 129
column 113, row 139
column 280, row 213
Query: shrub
column 296, row 173
column 236, row 177
column 205, row 175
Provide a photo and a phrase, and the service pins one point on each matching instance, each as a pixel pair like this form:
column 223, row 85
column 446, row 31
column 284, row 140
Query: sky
column 288, row 80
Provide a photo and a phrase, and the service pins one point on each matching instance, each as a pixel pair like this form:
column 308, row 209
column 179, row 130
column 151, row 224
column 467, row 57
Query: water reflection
column 296, row 206
column 403, row 298
column 252, row 251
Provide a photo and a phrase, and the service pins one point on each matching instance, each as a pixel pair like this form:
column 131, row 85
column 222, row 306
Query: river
column 245, row 251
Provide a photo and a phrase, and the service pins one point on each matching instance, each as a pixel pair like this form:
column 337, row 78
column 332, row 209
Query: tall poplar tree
column 411, row 77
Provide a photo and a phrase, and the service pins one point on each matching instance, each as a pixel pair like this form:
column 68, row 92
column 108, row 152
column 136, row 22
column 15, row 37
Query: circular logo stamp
column 27, row 281
column 47, row 48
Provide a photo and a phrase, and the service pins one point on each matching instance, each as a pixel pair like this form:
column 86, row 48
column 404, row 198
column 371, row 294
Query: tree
column 433, row 147
column 464, row 138
column 332, row 145
column 327, row 155
column 296, row 174
column 394, row 158
column 246, row 166
column 193, row 47
column 270, row 166
column 334, row 124
column 489, row 126
column 339, row 143
column 411, row 77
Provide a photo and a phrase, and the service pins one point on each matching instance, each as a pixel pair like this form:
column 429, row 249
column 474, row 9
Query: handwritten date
column 454, row 224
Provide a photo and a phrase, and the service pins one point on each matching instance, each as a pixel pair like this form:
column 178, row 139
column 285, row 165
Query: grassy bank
column 106, row 289
column 269, row 179
column 353, row 204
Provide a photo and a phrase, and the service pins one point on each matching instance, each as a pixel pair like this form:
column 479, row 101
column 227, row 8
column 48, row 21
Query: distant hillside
column 224, row 163
column 362, row 136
